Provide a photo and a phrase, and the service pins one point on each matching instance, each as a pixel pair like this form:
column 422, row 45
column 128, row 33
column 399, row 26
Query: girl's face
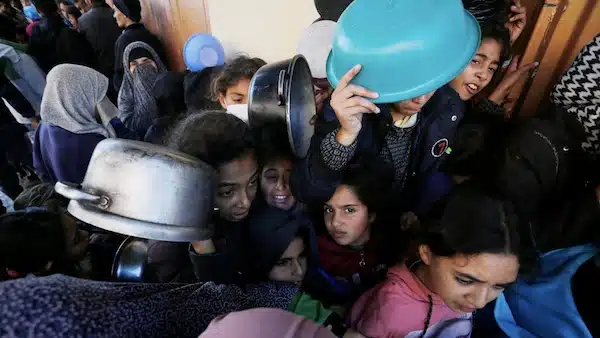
column 236, row 94
column 74, row 22
column 238, row 181
column 480, row 70
column 467, row 283
column 347, row 219
column 64, row 10
column 275, row 184
column 412, row 106
column 291, row 267
column 141, row 61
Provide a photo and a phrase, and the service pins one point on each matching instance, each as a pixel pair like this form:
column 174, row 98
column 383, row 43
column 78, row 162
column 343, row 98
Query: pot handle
column 73, row 193
column 281, row 87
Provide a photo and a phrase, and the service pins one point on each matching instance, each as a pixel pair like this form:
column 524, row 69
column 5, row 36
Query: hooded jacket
column 312, row 181
column 66, row 138
column 270, row 232
column 549, row 306
column 353, row 270
column 403, row 306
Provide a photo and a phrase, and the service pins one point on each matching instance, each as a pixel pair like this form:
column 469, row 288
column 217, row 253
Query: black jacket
column 102, row 32
column 313, row 182
column 52, row 43
column 133, row 33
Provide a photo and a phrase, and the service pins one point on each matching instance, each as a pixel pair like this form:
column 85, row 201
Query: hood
column 270, row 232
column 196, row 89
column 401, row 278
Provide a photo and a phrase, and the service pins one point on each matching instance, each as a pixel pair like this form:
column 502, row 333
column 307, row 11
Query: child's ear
column 222, row 101
column 372, row 217
column 425, row 254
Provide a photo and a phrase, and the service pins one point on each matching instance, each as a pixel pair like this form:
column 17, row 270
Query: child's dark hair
column 240, row 68
column 41, row 196
column 499, row 33
column 472, row 221
column 74, row 12
column 368, row 187
column 31, row 239
column 273, row 143
column 47, row 8
column 214, row 137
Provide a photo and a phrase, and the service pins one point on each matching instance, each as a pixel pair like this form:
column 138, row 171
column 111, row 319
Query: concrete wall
column 262, row 28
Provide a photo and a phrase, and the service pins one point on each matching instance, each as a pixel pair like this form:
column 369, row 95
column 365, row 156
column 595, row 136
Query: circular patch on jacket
column 439, row 148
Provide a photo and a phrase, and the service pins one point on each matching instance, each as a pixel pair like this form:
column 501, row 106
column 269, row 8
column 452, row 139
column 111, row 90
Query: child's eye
column 282, row 262
column 475, row 62
column 226, row 193
column 492, row 70
column 327, row 210
column 350, row 210
column 463, row 281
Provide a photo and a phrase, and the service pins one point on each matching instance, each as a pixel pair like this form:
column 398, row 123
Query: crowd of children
column 432, row 216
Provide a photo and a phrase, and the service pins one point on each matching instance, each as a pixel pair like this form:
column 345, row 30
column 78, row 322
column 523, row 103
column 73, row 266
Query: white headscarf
column 315, row 44
column 70, row 99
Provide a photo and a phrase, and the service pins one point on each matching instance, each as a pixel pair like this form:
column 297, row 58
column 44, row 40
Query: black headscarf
column 270, row 232
column 131, row 8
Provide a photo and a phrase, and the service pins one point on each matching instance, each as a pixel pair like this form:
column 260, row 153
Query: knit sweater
column 395, row 150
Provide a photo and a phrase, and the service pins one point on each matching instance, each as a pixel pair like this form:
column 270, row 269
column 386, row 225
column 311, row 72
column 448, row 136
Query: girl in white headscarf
column 74, row 100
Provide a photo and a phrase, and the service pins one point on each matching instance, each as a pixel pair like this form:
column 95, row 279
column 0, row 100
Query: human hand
column 350, row 102
column 513, row 74
column 517, row 20
column 204, row 247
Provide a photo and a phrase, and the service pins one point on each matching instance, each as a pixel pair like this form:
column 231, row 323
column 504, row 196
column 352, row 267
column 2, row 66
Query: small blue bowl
column 407, row 48
column 202, row 51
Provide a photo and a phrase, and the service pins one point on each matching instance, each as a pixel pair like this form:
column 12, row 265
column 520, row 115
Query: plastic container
column 202, row 51
column 407, row 48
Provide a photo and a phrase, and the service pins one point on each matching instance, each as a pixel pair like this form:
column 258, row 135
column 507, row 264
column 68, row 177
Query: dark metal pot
column 131, row 260
column 283, row 92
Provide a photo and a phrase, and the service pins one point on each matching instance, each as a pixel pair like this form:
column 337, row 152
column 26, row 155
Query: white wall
column 268, row 29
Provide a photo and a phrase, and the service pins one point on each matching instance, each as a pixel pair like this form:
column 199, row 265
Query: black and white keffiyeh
column 579, row 93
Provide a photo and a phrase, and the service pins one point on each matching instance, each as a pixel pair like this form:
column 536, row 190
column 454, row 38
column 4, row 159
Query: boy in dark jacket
column 128, row 14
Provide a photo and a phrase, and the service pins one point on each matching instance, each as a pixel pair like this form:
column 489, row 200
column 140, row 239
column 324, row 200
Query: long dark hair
column 214, row 137
column 473, row 220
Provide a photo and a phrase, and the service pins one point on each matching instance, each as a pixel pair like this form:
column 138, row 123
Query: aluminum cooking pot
column 143, row 190
column 283, row 91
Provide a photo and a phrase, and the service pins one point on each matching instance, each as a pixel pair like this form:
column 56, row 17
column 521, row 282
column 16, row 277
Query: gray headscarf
column 137, row 104
column 70, row 98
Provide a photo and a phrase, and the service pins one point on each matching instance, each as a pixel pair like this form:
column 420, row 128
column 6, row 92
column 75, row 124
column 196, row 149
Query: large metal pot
column 143, row 190
column 283, row 91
